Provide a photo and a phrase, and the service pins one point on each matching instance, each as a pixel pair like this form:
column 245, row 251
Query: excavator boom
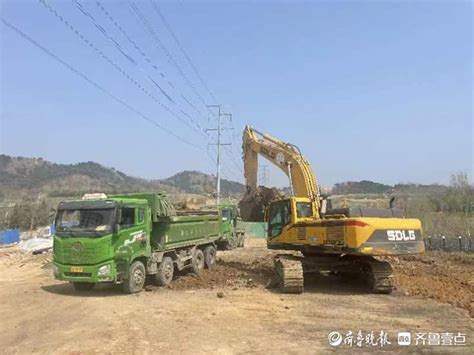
column 285, row 156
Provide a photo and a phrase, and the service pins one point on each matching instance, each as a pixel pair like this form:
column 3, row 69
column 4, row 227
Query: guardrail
column 449, row 243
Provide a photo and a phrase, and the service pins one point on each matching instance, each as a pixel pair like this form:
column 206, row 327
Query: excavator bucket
column 254, row 203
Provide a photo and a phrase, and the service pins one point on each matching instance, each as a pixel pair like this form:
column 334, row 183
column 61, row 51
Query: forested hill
column 19, row 175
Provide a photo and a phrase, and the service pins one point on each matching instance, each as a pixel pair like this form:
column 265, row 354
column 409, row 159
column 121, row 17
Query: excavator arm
column 285, row 156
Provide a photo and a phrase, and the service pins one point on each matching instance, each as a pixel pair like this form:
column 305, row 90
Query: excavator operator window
column 280, row 216
column 303, row 209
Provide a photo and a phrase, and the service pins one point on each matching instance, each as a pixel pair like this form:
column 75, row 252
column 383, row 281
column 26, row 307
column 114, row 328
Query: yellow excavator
column 344, row 241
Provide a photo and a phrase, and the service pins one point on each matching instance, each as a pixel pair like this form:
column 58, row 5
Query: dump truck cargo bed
column 179, row 231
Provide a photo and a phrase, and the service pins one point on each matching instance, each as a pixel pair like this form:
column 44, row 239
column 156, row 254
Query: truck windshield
column 85, row 222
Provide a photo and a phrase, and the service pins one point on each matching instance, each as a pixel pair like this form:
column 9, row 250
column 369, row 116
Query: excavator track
column 288, row 274
column 379, row 276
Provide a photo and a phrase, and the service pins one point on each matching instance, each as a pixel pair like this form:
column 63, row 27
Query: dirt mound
column 190, row 201
column 14, row 257
column 226, row 274
column 253, row 204
column 445, row 277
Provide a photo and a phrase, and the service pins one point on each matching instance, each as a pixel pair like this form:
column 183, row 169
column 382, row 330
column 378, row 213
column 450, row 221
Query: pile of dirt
column 226, row 274
column 253, row 204
column 15, row 257
column 183, row 202
column 445, row 277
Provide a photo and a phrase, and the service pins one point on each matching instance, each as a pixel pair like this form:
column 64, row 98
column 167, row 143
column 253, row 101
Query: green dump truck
column 123, row 238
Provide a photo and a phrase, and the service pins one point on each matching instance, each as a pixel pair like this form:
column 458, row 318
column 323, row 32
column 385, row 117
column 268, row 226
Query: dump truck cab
column 97, row 239
column 232, row 232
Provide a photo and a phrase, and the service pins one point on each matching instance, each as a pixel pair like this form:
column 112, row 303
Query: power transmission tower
column 219, row 129
column 263, row 175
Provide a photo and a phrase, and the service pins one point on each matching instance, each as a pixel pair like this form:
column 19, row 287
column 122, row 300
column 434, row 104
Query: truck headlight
column 104, row 270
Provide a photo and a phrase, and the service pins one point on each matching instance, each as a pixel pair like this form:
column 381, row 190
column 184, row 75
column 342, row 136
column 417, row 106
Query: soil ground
column 228, row 309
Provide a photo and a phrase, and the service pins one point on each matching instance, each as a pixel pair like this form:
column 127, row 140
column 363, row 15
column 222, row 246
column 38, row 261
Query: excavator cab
column 279, row 216
column 290, row 211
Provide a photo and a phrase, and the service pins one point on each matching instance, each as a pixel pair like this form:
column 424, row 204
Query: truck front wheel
column 198, row 261
column 165, row 272
column 83, row 286
column 136, row 278
column 210, row 256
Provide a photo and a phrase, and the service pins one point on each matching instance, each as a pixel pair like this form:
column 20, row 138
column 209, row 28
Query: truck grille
column 71, row 254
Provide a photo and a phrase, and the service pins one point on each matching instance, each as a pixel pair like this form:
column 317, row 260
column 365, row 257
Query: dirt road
column 39, row 314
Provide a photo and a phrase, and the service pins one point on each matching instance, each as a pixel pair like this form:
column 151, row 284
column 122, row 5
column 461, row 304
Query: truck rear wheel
column 164, row 276
column 83, row 286
column 210, row 256
column 136, row 278
column 198, row 261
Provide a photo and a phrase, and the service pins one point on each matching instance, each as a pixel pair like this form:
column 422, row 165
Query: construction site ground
column 228, row 309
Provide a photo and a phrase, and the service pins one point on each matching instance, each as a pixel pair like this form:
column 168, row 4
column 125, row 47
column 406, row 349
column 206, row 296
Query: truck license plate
column 76, row 269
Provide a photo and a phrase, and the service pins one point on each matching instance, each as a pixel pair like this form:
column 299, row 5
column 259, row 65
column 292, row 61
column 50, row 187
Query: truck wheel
column 165, row 272
column 210, row 256
column 198, row 261
column 83, row 286
column 136, row 278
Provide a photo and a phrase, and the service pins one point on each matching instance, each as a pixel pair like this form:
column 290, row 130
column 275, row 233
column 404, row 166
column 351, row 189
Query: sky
column 376, row 90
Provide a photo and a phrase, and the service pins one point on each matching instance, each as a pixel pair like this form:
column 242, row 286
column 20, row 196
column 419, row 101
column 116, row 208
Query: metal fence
column 449, row 243
column 254, row 229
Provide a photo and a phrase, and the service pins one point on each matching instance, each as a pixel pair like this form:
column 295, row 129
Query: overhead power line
column 235, row 176
column 185, row 54
column 91, row 82
column 233, row 160
column 141, row 18
column 130, row 58
column 144, row 55
column 113, row 64
column 194, row 68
